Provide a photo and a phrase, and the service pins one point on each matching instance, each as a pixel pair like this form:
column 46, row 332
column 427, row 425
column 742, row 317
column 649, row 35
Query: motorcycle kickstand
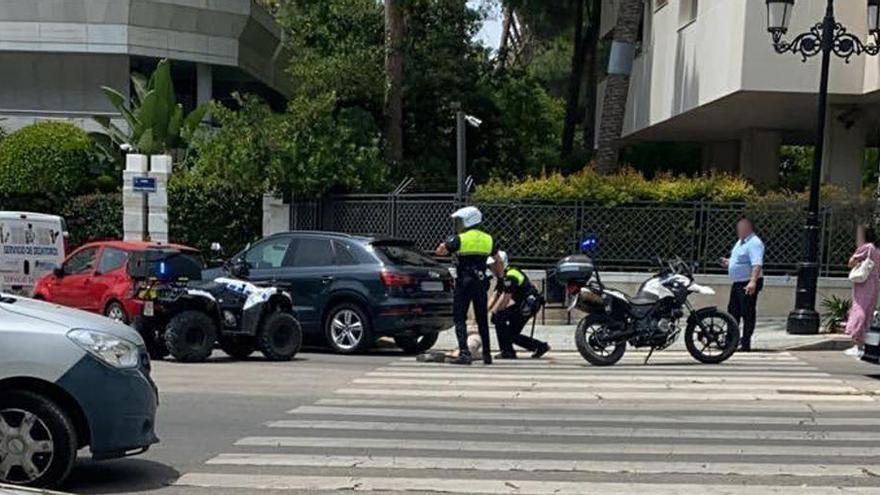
column 649, row 355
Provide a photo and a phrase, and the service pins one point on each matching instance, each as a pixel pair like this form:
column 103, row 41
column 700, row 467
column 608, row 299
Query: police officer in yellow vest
column 515, row 301
column 471, row 246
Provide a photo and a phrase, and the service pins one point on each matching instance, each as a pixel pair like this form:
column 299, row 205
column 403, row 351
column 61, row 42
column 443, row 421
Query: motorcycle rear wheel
column 591, row 347
column 717, row 330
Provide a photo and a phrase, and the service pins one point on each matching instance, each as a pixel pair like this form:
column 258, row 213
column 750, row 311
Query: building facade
column 707, row 72
column 56, row 54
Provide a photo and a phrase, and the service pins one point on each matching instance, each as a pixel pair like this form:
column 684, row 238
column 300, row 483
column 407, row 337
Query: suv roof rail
column 315, row 232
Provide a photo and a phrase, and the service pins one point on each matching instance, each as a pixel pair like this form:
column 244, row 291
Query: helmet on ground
column 504, row 259
column 469, row 216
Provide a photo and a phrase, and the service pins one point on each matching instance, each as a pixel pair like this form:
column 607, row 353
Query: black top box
column 577, row 267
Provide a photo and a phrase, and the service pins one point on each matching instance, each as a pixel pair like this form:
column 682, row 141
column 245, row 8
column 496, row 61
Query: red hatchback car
column 95, row 278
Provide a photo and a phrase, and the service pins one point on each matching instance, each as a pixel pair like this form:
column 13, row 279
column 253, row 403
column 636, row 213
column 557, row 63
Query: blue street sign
column 144, row 184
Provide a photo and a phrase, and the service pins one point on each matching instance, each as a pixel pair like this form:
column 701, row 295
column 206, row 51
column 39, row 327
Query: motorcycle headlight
column 109, row 349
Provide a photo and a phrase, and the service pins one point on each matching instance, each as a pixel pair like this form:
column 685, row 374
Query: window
column 112, row 259
column 344, row 255
column 81, row 262
column 659, row 4
column 404, row 256
column 688, row 13
column 313, row 252
column 269, row 254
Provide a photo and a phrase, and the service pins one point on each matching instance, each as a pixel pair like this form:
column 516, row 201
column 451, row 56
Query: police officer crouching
column 471, row 246
column 510, row 319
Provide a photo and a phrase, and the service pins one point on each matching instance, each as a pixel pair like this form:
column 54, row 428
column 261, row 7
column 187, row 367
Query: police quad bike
column 185, row 316
column 652, row 319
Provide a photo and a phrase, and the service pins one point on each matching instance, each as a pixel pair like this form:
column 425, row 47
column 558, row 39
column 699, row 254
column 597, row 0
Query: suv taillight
column 391, row 279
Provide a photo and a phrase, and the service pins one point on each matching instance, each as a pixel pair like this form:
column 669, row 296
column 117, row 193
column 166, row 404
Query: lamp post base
column 803, row 322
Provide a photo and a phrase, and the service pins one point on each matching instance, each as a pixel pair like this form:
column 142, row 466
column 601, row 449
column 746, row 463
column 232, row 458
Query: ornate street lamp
column 826, row 37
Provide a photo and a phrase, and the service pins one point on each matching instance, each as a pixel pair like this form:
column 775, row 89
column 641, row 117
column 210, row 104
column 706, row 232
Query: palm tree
column 626, row 33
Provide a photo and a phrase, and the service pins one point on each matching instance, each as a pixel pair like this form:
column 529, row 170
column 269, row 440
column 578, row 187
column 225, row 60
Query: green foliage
column 305, row 151
column 203, row 212
column 155, row 122
column 626, row 186
column 835, row 310
column 50, row 158
column 93, row 216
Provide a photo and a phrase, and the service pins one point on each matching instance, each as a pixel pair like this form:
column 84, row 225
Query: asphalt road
column 763, row 423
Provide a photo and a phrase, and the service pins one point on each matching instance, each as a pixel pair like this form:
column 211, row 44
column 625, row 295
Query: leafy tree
column 155, row 121
column 307, row 150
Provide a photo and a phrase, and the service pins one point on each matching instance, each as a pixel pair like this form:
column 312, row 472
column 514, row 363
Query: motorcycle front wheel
column 590, row 339
column 712, row 337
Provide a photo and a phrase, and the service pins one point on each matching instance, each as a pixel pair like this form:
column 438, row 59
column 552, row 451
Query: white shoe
column 854, row 351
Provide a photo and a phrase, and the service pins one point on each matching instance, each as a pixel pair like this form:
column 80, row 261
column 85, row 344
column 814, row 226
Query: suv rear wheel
column 347, row 329
column 37, row 441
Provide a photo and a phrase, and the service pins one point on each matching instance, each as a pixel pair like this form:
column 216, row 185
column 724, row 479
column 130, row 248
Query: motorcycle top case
column 575, row 267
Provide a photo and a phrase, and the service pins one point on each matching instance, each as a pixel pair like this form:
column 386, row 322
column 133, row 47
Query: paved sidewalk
column 769, row 336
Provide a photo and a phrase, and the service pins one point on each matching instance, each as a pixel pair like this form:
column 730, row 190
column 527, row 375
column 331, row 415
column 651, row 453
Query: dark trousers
column 509, row 324
column 471, row 290
column 743, row 308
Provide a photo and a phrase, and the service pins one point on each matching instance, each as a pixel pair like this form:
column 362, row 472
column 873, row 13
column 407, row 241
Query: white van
column 31, row 245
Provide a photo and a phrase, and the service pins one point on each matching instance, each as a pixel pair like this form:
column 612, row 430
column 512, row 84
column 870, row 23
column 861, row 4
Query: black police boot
column 544, row 348
column 505, row 355
column 462, row 359
column 487, row 358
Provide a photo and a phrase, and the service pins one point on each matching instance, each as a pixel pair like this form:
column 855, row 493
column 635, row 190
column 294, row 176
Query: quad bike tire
column 238, row 347
column 416, row 344
column 190, row 336
column 280, row 337
column 155, row 344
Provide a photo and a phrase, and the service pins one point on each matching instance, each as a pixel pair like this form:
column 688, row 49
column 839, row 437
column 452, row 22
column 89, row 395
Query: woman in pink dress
column 864, row 298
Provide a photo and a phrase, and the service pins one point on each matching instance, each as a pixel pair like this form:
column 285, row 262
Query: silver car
column 69, row 380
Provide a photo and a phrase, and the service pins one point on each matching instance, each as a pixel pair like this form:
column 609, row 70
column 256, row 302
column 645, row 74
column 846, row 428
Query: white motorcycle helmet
column 504, row 259
column 467, row 217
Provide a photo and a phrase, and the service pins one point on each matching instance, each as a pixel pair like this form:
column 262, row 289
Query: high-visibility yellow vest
column 475, row 242
column 517, row 275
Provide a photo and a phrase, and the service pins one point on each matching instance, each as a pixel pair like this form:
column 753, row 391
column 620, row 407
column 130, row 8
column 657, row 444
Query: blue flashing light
column 162, row 268
column 590, row 243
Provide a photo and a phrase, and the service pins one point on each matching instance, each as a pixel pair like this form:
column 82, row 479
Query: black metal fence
column 538, row 234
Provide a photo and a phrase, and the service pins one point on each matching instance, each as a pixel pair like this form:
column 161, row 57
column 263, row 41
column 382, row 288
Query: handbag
column 860, row 273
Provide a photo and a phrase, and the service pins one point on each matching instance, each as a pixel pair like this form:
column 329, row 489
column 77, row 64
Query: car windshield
column 166, row 264
column 403, row 255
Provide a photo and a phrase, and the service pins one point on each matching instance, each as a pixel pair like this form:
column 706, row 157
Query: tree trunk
column 575, row 80
column 506, row 38
column 617, row 83
column 394, row 38
column 592, row 76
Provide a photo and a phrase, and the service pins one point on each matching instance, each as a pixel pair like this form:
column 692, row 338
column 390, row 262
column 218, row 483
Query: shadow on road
column 119, row 476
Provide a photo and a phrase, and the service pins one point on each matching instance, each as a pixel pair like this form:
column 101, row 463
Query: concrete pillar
column 721, row 156
column 276, row 215
column 160, row 167
column 204, row 83
column 846, row 136
column 759, row 156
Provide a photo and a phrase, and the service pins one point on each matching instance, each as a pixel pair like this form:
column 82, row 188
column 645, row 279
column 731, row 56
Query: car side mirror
column 239, row 268
column 58, row 272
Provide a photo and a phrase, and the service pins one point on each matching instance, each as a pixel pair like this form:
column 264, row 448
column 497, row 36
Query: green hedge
column 204, row 212
column 627, row 186
column 51, row 158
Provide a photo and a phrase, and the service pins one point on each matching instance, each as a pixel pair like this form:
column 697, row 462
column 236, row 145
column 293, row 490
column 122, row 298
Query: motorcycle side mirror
column 589, row 244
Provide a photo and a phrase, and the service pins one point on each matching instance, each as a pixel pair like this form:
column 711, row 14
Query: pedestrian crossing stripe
column 545, row 465
column 582, row 417
column 491, row 486
column 596, row 446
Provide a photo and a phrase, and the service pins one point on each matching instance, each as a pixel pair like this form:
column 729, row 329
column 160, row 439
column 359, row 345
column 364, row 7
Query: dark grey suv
column 353, row 290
